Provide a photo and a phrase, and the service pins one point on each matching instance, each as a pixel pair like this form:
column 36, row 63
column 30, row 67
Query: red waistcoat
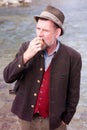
column 42, row 104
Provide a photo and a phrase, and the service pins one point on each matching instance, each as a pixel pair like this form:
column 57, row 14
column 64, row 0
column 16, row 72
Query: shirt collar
column 54, row 51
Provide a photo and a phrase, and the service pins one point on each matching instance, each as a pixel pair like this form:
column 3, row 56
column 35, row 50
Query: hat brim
column 37, row 17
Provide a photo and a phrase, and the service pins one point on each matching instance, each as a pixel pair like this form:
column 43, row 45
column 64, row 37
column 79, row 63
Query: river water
column 17, row 26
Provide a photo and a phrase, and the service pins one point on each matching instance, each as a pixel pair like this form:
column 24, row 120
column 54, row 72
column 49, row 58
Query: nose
column 40, row 33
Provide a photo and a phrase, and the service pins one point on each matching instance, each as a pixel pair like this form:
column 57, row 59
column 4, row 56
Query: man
column 48, row 74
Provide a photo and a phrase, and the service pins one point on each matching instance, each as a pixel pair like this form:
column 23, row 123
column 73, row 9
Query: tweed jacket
column 64, row 84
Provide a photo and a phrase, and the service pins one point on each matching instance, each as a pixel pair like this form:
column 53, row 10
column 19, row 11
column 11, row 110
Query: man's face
column 47, row 31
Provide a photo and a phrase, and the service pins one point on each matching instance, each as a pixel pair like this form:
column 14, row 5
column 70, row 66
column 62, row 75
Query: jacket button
column 41, row 69
column 42, row 55
column 32, row 106
column 35, row 94
column 19, row 65
column 38, row 81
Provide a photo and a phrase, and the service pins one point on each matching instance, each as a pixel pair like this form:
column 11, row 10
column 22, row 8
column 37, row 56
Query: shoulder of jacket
column 69, row 50
column 25, row 44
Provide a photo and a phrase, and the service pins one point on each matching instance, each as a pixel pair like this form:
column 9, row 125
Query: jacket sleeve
column 15, row 68
column 73, row 92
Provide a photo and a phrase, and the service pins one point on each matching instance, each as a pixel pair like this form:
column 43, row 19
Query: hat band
column 51, row 16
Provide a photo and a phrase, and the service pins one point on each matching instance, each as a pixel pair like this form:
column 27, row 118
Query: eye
column 45, row 30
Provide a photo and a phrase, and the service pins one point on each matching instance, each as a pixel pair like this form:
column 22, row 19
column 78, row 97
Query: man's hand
column 33, row 48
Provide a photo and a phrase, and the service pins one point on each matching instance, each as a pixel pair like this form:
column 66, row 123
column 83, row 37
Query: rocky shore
column 7, row 120
column 15, row 2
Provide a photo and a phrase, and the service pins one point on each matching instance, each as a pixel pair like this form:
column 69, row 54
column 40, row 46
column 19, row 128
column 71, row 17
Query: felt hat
column 53, row 14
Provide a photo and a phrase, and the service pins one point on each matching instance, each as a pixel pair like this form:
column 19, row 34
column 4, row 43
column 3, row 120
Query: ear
column 58, row 32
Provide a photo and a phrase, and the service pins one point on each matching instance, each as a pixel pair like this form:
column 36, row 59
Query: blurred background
column 17, row 25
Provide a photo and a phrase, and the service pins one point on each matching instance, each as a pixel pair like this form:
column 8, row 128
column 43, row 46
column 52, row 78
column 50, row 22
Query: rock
column 14, row 2
column 27, row 1
column 9, row 2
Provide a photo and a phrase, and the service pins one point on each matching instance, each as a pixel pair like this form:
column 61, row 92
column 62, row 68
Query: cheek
column 49, row 40
column 51, row 37
column 48, row 36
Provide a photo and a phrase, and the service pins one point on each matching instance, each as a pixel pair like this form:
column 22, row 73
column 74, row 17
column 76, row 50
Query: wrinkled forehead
column 45, row 23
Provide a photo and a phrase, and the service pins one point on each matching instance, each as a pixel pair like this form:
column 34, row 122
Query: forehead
column 45, row 23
